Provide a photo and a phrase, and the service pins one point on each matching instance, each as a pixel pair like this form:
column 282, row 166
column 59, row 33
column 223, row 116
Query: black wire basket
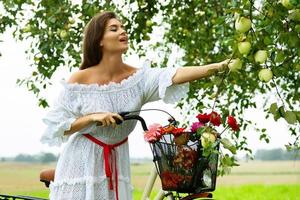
column 184, row 168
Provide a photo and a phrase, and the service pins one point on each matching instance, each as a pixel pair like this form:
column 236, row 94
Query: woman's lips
column 124, row 39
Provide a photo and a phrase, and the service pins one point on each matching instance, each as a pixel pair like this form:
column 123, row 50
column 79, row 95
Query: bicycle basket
column 183, row 168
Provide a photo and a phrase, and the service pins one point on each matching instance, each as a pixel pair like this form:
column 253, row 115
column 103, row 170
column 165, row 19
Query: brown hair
column 93, row 34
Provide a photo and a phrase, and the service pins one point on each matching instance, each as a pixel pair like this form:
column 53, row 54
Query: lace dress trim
column 110, row 87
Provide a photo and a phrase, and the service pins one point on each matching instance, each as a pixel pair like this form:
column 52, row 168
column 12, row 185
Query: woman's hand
column 222, row 66
column 106, row 119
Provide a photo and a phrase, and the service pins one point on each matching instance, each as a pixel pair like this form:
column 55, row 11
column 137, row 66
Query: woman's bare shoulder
column 78, row 76
column 84, row 76
column 131, row 68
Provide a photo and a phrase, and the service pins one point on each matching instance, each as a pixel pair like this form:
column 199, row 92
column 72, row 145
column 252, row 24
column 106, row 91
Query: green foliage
column 40, row 158
column 204, row 31
column 277, row 154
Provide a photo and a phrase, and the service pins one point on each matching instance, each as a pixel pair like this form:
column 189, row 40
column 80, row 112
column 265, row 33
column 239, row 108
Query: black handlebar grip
column 122, row 114
column 118, row 121
column 129, row 117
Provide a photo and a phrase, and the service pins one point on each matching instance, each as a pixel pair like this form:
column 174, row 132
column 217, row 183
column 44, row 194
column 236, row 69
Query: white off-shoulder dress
column 80, row 172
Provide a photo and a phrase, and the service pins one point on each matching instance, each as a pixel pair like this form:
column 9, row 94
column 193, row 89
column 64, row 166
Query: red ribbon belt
column 109, row 159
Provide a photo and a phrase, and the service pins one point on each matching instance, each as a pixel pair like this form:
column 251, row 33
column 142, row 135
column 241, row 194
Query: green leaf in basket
column 226, row 160
column 200, row 131
column 232, row 149
column 228, row 145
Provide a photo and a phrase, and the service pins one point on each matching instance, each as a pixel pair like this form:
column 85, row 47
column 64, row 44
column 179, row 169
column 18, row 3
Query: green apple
column 236, row 15
column 146, row 37
column 58, row 31
column 200, row 13
column 297, row 28
column 261, row 56
column 63, row 34
column 270, row 12
column 27, row 28
column 265, row 75
column 297, row 67
column 71, row 20
column 50, row 33
column 295, row 15
column 186, row 32
column 36, row 59
column 244, row 47
column 149, row 23
column 67, row 26
column 235, row 65
column 287, row 4
column 207, row 139
column 242, row 24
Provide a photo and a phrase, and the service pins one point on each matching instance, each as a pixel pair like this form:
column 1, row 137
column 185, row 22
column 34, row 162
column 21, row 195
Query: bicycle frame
column 149, row 186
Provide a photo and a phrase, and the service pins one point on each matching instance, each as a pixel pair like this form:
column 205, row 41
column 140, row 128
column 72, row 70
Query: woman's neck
column 111, row 64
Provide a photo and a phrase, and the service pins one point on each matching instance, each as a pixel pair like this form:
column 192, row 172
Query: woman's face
column 115, row 38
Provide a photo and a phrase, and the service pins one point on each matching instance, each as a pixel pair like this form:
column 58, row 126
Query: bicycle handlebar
column 130, row 116
column 136, row 117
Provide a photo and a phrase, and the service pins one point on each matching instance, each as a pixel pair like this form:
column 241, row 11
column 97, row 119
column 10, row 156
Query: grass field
column 250, row 181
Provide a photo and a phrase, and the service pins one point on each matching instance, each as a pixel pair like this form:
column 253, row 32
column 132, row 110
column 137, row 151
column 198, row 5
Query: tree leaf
column 273, row 108
column 290, row 117
column 297, row 115
column 281, row 111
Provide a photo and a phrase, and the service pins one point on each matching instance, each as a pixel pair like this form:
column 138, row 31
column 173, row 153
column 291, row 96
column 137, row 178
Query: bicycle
column 194, row 187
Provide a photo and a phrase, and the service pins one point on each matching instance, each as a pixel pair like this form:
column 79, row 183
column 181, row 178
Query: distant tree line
column 277, row 154
column 261, row 154
column 37, row 158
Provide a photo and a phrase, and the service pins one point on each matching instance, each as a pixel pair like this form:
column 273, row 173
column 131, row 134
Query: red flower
column 204, row 118
column 232, row 123
column 215, row 118
column 185, row 158
column 167, row 129
column 177, row 131
column 196, row 125
column 153, row 134
column 171, row 180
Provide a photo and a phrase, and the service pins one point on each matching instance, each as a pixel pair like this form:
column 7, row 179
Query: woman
column 95, row 161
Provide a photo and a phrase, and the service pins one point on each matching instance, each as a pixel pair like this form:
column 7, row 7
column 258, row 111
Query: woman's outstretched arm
column 191, row 73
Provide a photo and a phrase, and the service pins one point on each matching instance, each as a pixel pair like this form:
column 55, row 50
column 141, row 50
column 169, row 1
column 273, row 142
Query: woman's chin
column 124, row 50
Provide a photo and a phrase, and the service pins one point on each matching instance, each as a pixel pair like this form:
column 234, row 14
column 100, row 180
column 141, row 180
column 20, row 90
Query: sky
column 20, row 116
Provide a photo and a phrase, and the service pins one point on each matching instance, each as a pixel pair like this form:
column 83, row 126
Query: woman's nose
column 123, row 32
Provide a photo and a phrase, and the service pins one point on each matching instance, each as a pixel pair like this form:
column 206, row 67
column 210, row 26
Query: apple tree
column 261, row 37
